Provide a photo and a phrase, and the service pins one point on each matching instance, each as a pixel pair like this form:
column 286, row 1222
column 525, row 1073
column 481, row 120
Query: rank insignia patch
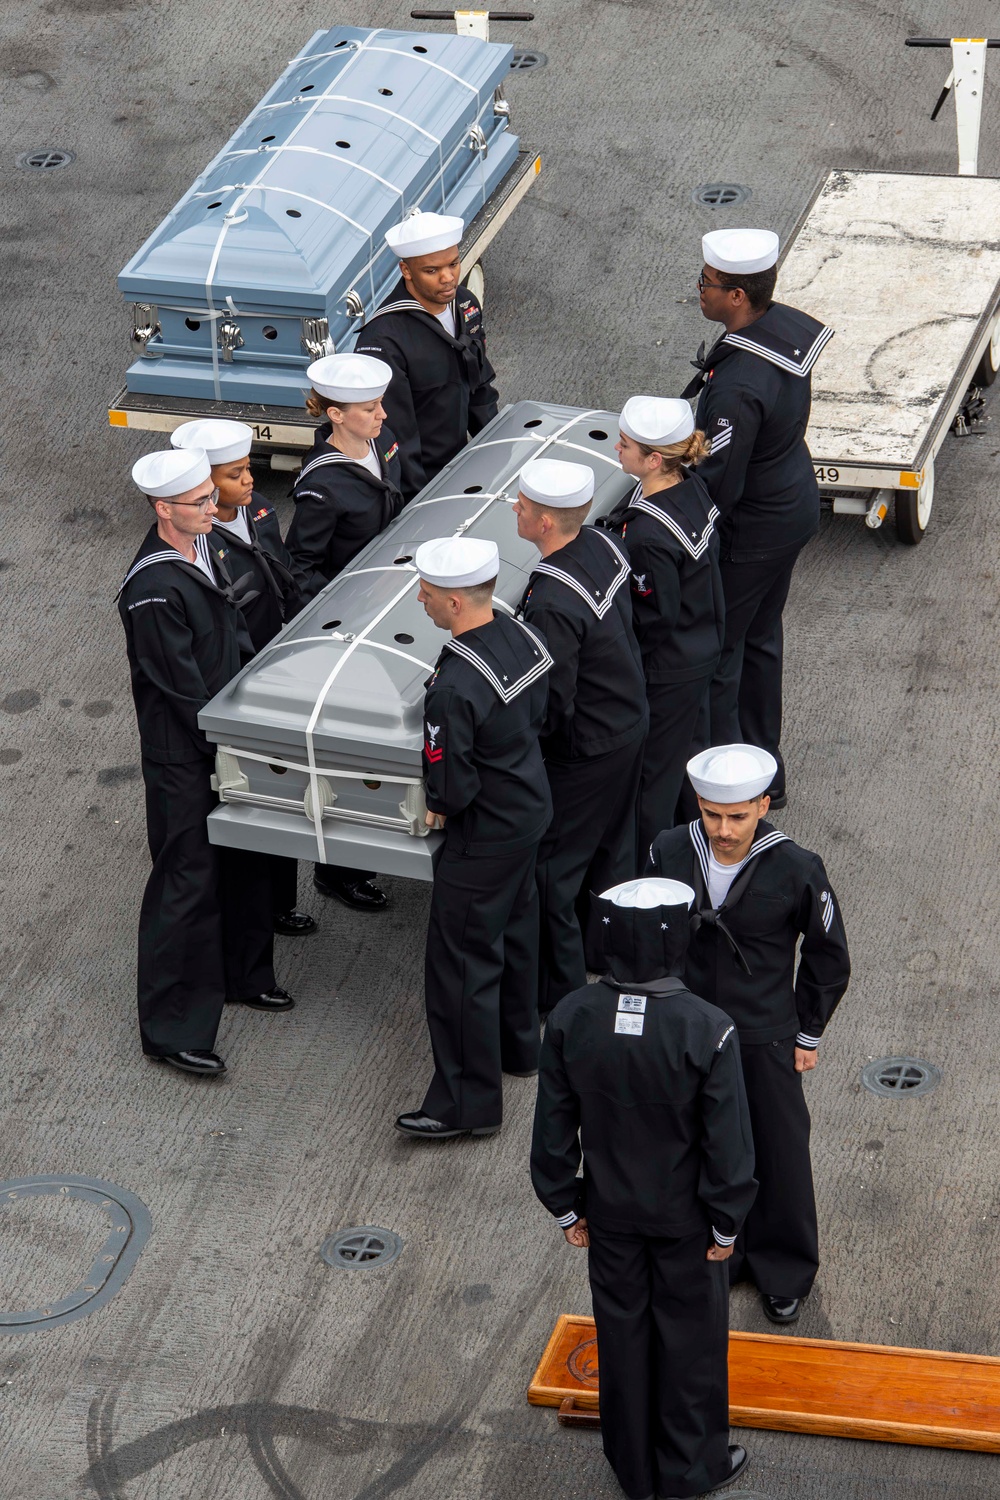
column 432, row 749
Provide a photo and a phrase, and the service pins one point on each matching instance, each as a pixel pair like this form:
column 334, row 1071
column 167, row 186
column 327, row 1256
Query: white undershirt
column 720, row 878
column 370, row 462
column 238, row 526
column 447, row 319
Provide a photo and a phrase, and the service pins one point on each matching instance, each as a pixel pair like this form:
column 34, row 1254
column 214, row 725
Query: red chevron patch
column 433, row 755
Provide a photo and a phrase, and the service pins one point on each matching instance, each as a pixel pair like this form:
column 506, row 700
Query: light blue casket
column 276, row 254
column 318, row 739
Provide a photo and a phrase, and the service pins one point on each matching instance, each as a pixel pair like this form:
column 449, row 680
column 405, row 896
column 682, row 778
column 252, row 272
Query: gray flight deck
column 234, row 1363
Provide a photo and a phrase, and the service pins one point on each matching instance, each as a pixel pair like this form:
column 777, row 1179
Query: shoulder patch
column 727, row 1032
column 432, row 749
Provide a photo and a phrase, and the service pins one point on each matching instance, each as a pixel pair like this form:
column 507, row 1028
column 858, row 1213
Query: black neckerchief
column 463, row 343
column 270, row 566
column 704, row 912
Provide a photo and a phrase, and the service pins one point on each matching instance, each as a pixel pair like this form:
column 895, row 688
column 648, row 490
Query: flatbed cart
column 285, row 433
column 906, row 268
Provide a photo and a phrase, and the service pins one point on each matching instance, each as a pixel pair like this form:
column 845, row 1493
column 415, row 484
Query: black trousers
column 674, row 712
column 779, row 1244
column 181, row 981
column 589, row 845
column 662, row 1315
column 326, row 873
column 746, row 689
column 480, row 982
column 246, row 898
column 284, row 883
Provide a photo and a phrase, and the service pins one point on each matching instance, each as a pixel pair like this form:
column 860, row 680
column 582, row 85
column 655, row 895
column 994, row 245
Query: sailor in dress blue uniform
column 578, row 598
column 346, row 493
column 678, row 614
column 185, row 633
column 429, row 330
column 754, row 396
column 248, row 526
column 762, row 903
column 485, row 783
column 640, row 1080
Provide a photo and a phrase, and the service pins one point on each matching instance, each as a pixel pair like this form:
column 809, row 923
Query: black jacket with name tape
column 578, row 598
column 185, row 636
column 742, row 956
column 678, row 609
column 754, row 403
column 649, row 1085
column 442, row 386
column 266, row 560
column 339, row 507
column 483, row 710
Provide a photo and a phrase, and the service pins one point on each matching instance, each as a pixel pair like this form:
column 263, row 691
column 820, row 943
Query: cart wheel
column 986, row 370
column 475, row 280
column 913, row 509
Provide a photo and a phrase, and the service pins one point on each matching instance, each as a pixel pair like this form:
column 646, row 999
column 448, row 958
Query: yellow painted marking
column 118, row 418
column 908, row 480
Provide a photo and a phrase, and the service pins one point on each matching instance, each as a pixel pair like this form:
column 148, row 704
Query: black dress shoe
column 275, row 999
column 294, row 923
column 781, row 1309
column 738, row 1458
column 204, row 1064
column 421, row 1127
column 360, row 895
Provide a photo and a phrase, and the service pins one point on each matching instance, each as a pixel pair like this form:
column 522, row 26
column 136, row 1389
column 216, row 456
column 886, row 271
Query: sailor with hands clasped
column 184, row 632
column 429, row 330
column 246, row 524
column 640, row 1079
column 678, row 613
column 485, row 785
column 347, row 491
column 761, row 903
column 754, row 395
column 592, row 740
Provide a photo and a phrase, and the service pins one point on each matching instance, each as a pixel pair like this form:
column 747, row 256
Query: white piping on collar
column 697, row 546
column 820, row 342
column 701, row 848
column 600, row 610
column 506, row 694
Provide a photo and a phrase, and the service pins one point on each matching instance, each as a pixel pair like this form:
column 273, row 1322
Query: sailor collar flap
column 785, row 337
column 461, row 307
column 325, row 459
column 767, row 839
column 213, row 555
column 510, row 663
column 685, row 510
column 595, row 577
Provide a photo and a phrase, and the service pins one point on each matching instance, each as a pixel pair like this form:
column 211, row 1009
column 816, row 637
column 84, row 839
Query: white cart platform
column 906, row 268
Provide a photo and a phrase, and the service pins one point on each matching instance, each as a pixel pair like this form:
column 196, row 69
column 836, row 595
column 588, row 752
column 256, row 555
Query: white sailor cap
column 457, row 562
column 740, row 251
column 651, row 891
column 172, row 471
column 656, row 421
column 222, row 440
column 423, row 234
column 731, row 773
column 557, row 484
column 349, row 377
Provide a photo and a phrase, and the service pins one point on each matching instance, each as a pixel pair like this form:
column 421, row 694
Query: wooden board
column 921, row 1396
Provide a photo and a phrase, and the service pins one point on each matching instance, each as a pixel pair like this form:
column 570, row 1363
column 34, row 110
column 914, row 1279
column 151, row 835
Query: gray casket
column 275, row 253
column 319, row 738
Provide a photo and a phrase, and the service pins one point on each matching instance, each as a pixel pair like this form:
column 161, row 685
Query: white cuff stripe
column 723, row 1239
column 809, row 1042
column 567, row 1220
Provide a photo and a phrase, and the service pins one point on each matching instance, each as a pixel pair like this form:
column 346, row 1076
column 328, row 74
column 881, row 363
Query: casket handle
column 478, row 141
